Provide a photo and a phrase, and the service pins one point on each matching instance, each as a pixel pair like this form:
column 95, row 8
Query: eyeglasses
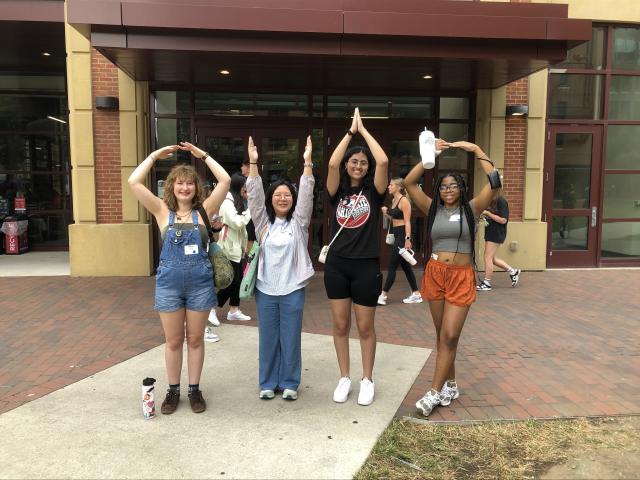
column 355, row 163
column 452, row 186
column 282, row 195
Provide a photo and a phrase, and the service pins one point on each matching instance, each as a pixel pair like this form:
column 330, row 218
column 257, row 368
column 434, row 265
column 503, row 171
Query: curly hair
column 183, row 172
column 345, row 181
column 465, row 212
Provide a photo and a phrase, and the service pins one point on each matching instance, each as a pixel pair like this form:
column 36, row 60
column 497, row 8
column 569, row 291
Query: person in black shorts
column 356, row 184
column 495, row 232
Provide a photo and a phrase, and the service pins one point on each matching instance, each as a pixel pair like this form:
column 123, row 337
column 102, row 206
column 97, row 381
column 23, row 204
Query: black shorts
column 359, row 279
column 495, row 237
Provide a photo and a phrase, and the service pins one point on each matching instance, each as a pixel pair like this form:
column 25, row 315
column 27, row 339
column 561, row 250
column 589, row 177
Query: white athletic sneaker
column 413, row 298
column 289, row 394
column 427, row 142
column 209, row 336
column 267, row 394
column 450, row 390
column 238, row 316
column 367, row 388
column 515, row 276
column 427, row 403
column 341, row 393
column 382, row 300
column 213, row 318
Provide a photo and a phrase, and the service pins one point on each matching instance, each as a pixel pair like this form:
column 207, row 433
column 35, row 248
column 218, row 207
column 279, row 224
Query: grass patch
column 512, row 450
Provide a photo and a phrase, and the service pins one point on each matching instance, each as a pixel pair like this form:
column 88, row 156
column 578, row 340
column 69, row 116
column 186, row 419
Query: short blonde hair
column 182, row 172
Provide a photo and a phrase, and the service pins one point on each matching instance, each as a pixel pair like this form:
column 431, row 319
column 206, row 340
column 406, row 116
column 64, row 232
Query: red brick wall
column 515, row 149
column 106, row 138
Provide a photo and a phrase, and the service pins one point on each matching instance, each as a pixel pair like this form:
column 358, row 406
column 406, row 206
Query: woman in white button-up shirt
column 284, row 269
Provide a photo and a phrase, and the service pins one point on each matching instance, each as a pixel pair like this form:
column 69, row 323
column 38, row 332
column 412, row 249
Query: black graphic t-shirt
column 360, row 237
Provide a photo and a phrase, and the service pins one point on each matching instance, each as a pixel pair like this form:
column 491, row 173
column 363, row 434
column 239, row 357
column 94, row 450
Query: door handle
column 594, row 216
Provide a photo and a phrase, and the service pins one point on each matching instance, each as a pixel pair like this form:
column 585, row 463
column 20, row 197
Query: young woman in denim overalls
column 184, row 280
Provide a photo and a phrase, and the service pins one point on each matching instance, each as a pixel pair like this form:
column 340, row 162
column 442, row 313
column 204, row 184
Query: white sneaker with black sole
column 484, row 287
column 515, row 277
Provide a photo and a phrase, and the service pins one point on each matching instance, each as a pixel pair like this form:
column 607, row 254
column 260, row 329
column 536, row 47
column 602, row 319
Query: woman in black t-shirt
column 356, row 184
column 495, row 232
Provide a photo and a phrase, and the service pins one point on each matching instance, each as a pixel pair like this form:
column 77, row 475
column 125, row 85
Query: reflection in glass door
column 571, row 193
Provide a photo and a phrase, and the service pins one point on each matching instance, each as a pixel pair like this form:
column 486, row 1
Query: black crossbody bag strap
column 207, row 223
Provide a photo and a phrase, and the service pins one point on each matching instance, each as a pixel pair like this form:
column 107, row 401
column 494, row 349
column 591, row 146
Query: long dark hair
column 345, row 181
column 465, row 207
column 237, row 182
column 268, row 199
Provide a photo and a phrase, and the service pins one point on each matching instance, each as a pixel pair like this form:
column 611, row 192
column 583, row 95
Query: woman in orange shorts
column 449, row 278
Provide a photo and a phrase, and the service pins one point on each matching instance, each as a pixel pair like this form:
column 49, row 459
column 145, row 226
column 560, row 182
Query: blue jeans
column 280, row 329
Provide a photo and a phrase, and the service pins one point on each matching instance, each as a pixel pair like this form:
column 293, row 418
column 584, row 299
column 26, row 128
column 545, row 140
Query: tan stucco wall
column 530, row 234
column 104, row 249
column 609, row 10
column 110, row 250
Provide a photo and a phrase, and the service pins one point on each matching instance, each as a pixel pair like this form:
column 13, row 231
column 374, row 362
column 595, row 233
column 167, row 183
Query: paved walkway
column 563, row 343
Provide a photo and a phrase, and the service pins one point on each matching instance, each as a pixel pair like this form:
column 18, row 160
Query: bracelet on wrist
column 204, row 157
column 253, row 163
column 310, row 165
column 349, row 132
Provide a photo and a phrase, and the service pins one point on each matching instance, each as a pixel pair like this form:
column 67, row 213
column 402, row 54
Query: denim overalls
column 184, row 278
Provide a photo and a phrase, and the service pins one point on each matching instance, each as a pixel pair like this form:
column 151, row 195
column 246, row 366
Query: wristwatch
column 407, row 238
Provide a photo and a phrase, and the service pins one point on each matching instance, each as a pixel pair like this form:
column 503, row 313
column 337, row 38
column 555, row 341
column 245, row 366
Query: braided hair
column 465, row 212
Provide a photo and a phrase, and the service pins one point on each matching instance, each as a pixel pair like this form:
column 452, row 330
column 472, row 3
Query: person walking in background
column 400, row 217
column 184, row 280
column 495, row 233
column 233, row 241
column 282, row 218
column 356, row 184
column 449, row 278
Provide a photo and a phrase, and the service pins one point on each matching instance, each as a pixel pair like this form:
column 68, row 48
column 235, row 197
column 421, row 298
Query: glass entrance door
column 571, row 195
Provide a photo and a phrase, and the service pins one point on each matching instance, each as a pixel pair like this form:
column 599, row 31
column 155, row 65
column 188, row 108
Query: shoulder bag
column 222, row 268
column 250, row 274
column 325, row 249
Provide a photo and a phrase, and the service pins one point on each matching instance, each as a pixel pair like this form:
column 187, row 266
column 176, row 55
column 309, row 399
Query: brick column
column 106, row 124
column 515, row 149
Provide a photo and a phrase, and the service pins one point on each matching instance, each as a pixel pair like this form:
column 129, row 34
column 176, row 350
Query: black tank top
column 395, row 212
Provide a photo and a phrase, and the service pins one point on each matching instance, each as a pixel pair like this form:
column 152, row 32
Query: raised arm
column 212, row 203
column 333, row 174
column 415, row 176
column 136, row 180
column 255, row 192
column 382, row 161
column 304, row 206
column 481, row 201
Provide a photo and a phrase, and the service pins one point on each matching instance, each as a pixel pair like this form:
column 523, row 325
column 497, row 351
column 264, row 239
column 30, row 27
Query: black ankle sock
column 194, row 388
column 175, row 388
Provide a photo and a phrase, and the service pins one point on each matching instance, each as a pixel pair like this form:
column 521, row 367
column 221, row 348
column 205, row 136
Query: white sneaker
column 382, row 300
column 427, row 403
column 213, row 318
column 341, row 393
column 238, row 316
column 289, row 394
column 413, row 298
column 267, row 394
column 367, row 388
column 450, row 391
column 427, row 142
column 209, row 336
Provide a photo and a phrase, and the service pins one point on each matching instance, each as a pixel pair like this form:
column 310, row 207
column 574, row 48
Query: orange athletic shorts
column 455, row 283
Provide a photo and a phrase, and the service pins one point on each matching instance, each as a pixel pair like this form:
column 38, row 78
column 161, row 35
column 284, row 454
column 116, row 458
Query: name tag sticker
column 455, row 217
column 190, row 249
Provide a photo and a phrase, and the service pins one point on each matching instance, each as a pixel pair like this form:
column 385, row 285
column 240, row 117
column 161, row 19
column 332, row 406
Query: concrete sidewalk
column 94, row 428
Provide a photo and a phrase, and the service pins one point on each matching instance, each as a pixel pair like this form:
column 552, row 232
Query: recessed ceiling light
column 225, row 72
column 427, row 77
column 46, row 54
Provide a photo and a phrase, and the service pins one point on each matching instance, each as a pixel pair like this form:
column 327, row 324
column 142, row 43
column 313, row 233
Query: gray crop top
column 446, row 229
column 204, row 235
